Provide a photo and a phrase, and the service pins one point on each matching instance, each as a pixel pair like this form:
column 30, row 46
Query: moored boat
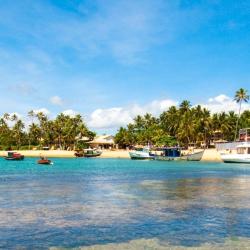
column 169, row 154
column 14, row 156
column 196, row 156
column 44, row 161
column 91, row 152
column 79, row 153
column 141, row 154
column 242, row 155
column 175, row 154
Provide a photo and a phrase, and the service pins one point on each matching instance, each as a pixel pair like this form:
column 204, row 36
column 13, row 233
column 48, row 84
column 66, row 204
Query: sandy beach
column 209, row 154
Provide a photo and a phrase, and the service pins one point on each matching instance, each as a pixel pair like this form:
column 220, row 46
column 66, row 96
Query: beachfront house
column 103, row 142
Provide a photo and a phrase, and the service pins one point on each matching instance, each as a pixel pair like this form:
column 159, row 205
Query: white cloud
column 223, row 103
column 43, row 110
column 19, row 116
column 70, row 112
column 219, row 99
column 56, row 100
column 121, row 116
column 118, row 116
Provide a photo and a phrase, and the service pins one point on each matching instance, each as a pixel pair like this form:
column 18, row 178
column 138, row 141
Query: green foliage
column 62, row 132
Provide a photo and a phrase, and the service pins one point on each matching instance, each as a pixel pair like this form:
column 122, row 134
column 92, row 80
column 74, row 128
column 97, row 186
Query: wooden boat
column 197, row 156
column 174, row 154
column 79, row 154
column 44, row 161
column 169, row 154
column 14, row 156
column 91, row 152
column 141, row 154
column 242, row 155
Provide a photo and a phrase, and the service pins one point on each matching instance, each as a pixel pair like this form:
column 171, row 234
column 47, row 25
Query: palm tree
column 14, row 117
column 6, row 116
column 31, row 114
column 185, row 106
column 240, row 96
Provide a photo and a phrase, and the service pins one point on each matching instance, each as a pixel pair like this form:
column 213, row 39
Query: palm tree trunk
column 237, row 123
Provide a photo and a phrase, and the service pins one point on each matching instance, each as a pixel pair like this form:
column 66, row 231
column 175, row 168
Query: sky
column 110, row 60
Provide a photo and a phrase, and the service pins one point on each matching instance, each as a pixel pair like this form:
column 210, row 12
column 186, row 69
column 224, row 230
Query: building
column 103, row 142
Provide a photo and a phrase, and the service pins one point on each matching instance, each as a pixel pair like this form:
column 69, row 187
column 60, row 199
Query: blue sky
column 109, row 60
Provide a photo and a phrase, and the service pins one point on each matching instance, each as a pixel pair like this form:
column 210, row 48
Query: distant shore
column 209, row 154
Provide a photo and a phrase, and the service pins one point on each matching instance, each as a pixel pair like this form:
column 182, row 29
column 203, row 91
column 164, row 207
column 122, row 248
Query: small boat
column 169, row 154
column 197, row 156
column 242, row 154
column 14, row 156
column 141, row 154
column 44, row 161
column 79, row 153
column 174, row 154
column 91, row 152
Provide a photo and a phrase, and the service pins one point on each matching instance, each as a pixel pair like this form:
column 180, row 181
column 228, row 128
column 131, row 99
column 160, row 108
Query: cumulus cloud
column 219, row 99
column 70, row 112
column 43, row 110
column 223, row 103
column 56, row 100
column 120, row 116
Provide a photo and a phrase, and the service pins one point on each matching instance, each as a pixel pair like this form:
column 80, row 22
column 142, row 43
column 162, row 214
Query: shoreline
column 210, row 155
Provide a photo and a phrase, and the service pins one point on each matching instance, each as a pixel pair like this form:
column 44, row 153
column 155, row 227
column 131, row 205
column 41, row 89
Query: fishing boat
column 141, row 154
column 242, row 154
column 44, row 161
column 79, row 153
column 196, row 156
column 14, row 156
column 169, row 154
column 91, row 152
column 174, row 154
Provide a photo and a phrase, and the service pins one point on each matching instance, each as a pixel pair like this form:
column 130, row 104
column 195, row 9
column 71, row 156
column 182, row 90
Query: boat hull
column 194, row 157
column 140, row 156
column 44, row 162
column 235, row 158
column 166, row 158
column 92, row 155
column 14, row 158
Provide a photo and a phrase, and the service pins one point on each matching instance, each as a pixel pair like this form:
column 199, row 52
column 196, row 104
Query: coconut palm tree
column 6, row 116
column 240, row 96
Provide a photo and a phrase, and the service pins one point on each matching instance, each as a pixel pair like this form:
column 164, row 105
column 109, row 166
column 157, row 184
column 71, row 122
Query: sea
column 124, row 204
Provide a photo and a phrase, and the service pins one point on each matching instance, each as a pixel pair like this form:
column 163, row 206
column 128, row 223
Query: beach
column 209, row 154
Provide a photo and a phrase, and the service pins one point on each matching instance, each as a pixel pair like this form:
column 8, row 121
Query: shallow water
column 123, row 204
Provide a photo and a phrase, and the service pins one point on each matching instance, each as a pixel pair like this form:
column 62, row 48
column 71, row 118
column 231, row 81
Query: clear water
column 85, row 202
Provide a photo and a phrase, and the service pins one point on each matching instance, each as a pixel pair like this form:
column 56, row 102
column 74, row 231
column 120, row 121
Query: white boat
column 197, row 156
column 141, row 154
column 242, row 155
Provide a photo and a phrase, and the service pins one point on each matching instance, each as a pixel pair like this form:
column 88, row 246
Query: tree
column 18, row 132
column 240, row 96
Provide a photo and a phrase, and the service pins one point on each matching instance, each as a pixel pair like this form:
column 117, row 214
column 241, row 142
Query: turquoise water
column 85, row 202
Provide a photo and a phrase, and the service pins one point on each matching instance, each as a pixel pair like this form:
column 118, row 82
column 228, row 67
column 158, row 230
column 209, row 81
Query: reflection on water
column 126, row 204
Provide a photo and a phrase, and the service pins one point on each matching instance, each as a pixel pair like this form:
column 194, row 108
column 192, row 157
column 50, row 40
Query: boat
column 79, row 153
column 14, row 156
column 174, row 154
column 242, row 154
column 169, row 154
column 141, row 154
column 91, row 152
column 196, row 156
column 44, row 161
